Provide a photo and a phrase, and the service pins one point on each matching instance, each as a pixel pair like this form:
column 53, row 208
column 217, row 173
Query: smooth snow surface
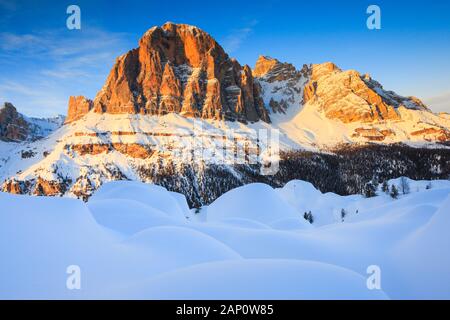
column 133, row 240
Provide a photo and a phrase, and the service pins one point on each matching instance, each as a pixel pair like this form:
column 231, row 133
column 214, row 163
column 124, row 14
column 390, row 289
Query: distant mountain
column 323, row 106
column 15, row 127
column 171, row 107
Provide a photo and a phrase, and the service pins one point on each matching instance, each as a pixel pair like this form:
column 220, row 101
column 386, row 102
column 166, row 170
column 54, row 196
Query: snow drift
column 139, row 241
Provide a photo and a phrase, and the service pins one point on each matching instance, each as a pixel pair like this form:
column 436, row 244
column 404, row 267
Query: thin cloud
column 41, row 70
column 40, row 102
column 237, row 37
column 439, row 103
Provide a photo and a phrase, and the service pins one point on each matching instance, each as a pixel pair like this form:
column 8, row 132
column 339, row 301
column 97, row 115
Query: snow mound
column 184, row 245
column 263, row 279
column 298, row 192
column 128, row 216
column 244, row 223
column 422, row 249
column 257, row 202
column 148, row 194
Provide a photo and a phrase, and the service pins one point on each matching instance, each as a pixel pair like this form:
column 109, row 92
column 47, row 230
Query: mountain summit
column 177, row 68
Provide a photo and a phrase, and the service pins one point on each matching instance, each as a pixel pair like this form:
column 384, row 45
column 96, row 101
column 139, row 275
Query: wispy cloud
column 439, row 103
column 41, row 101
column 237, row 37
column 41, row 70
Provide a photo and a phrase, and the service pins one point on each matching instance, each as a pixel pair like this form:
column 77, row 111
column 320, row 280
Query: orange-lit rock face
column 373, row 134
column 78, row 107
column 132, row 150
column 89, row 149
column 48, row 188
column 433, row 134
column 179, row 68
column 271, row 70
column 12, row 186
column 281, row 82
column 349, row 97
column 264, row 65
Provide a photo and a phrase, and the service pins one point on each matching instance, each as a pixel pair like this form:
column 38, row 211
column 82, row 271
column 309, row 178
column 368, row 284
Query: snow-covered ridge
column 84, row 152
column 42, row 127
column 323, row 106
column 79, row 157
column 252, row 243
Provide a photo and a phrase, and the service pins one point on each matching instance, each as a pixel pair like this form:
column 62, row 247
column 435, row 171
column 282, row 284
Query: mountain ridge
column 179, row 88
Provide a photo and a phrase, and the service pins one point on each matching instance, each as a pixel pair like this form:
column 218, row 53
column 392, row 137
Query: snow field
column 139, row 241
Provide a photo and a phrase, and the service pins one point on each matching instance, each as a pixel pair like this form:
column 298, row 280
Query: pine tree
column 370, row 190
column 343, row 214
column 309, row 217
column 385, row 187
column 394, row 192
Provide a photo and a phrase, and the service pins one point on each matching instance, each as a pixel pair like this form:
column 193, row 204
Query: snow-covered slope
column 42, row 127
column 154, row 247
column 79, row 157
column 322, row 106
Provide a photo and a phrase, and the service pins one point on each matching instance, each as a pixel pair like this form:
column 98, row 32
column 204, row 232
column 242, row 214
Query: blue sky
column 42, row 63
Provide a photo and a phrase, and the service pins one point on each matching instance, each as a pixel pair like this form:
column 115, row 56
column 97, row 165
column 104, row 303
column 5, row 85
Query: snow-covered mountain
column 323, row 106
column 178, row 111
column 16, row 127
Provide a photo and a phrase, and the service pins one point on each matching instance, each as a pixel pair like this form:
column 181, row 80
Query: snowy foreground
column 140, row 241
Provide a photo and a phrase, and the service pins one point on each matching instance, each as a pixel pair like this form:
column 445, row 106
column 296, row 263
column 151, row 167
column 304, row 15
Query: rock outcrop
column 13, row 126
column 350, row 97
column 13, row 186
column 282, row 83
column 78, row 107
column 347, row 96
column 433, row 134
column 272, row 70
column 132, row 150
column 181, row 69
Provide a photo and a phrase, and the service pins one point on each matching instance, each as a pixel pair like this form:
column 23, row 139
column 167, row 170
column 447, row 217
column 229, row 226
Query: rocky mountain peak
column 78, row 107
column 350, row 97
column 271, row 70
column 264, row 65
column 178, row 68
column 323, row 69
